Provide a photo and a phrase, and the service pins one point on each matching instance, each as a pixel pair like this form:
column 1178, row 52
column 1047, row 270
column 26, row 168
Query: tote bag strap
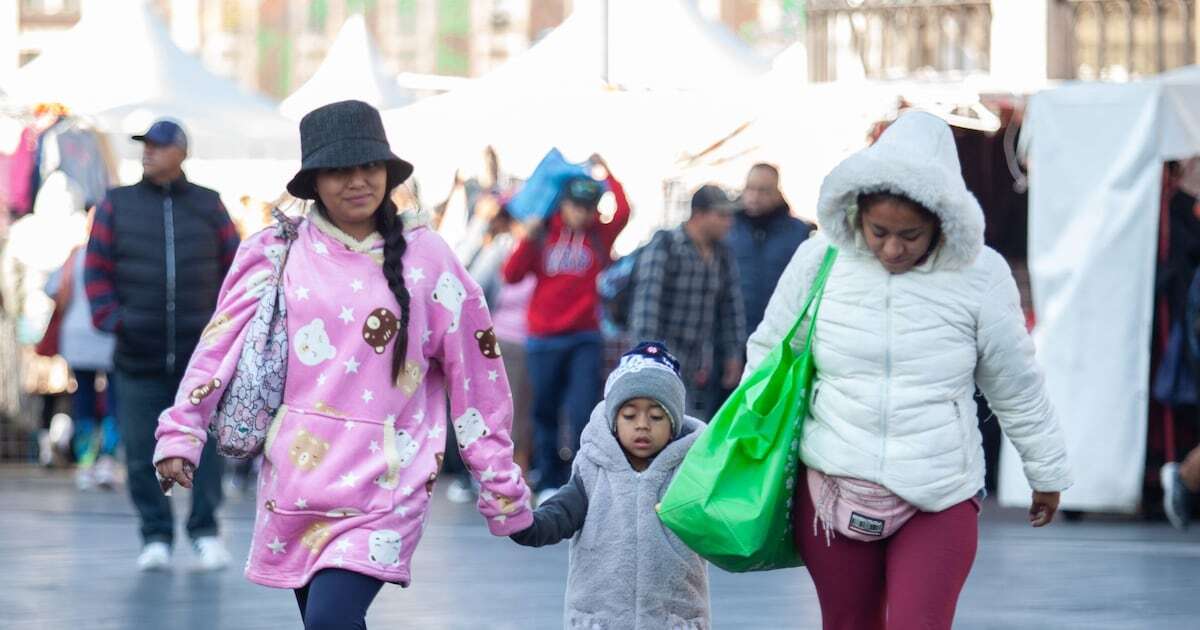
column 286, row 231
column 812, row 304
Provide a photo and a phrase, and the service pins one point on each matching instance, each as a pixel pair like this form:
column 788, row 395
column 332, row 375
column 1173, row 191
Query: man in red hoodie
column 565, row 349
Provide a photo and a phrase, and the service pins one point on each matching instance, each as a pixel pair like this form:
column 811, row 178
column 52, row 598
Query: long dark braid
column 390, row 225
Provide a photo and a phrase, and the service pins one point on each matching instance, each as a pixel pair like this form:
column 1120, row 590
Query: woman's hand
column 1041, row 512
column 174, row 470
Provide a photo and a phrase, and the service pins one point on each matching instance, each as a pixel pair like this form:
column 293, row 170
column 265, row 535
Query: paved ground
column 67, row 562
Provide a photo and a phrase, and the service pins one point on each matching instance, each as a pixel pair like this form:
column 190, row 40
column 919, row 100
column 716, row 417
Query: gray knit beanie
column 647, row 371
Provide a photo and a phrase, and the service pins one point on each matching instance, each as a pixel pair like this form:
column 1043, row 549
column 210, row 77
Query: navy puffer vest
column 167, row 248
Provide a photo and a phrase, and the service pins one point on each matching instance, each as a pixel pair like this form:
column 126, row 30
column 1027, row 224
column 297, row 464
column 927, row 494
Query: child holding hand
column 627, row 570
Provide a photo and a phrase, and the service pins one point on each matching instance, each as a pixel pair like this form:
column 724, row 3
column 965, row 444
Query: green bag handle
column 815, row 293
column 754, row 443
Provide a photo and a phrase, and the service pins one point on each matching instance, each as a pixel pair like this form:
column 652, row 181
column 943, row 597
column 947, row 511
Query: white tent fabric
column 119, row 65
column 672, row 80
column 807, row 129
column 651, row 45
column 352, row 69
column 1096, row 161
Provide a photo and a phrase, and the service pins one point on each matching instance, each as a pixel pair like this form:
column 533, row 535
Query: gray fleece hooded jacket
column 627, row 571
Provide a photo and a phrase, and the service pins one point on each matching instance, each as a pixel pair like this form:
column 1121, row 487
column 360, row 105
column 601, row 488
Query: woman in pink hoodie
column 384, row 327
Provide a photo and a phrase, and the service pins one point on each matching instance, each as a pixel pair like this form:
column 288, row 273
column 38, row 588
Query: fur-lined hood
column 915, row 157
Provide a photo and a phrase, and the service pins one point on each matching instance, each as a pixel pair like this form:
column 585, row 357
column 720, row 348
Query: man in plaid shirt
column 686, row 293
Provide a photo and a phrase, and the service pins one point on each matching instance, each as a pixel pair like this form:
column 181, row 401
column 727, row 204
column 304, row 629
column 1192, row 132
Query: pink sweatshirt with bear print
column 351, row 459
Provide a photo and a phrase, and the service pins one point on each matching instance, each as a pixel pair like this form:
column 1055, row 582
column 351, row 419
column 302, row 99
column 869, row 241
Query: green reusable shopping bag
column 731, row 499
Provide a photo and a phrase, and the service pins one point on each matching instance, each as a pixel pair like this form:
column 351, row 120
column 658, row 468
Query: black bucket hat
column 338, row 135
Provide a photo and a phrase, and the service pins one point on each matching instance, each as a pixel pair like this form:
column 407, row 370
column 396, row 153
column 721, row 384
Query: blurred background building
column 273, row 46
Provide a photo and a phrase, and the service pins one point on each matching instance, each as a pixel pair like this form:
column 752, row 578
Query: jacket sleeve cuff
column 1054, row 484
column 178, row 441
column 511, row 524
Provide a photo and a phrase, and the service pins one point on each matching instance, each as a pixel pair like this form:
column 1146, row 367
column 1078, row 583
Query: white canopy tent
column 352, row 69
column 665, row 44
column 671, row 80
column 807, row 129
column 119, row 67
column 1096, row 164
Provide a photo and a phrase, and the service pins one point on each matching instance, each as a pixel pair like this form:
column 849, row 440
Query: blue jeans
column 83, row 414
column 565, row 372
column 140, row 400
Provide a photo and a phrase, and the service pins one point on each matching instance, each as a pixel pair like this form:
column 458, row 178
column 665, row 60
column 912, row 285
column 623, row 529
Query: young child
column 627, row 569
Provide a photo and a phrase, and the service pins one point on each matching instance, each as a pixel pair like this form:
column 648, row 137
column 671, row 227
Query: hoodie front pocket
column 327, row 466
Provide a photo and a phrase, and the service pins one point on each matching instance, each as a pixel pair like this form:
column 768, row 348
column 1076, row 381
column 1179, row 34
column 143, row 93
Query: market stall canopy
column 119, row 65
column 352, row 69
column 673, row 77
column 1096, row 154
column 665, row 44
column 807, row 129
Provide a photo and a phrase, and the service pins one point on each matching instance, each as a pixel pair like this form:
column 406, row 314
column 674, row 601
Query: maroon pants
column 908, row 581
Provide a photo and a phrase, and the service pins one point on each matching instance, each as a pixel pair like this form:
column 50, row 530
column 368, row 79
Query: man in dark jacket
column 763, row 238
column 157, row 255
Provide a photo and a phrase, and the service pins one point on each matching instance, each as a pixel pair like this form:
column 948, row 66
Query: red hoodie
column 566, row 264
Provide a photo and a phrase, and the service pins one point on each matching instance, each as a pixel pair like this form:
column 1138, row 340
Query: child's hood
column 600, row 445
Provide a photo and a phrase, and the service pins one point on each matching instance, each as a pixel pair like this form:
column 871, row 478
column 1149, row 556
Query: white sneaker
column 85, row 477
column 104, row 472
column 156, row 556
column 459, row 491
column 210, row 553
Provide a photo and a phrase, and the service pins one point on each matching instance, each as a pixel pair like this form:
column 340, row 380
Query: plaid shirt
column 692, row 304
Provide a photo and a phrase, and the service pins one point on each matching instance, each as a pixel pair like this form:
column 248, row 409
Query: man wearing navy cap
column 157, row 255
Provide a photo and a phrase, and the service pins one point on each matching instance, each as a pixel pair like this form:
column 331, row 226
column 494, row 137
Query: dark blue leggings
column 337, row 600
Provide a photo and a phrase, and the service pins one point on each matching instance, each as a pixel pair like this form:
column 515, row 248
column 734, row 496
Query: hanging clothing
column 18, row 180
column 74, row 150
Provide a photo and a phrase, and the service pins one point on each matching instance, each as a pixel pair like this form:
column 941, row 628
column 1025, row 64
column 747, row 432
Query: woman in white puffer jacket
column 916, row 313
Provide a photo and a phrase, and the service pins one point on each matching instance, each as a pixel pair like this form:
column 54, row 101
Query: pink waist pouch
column 856, row 509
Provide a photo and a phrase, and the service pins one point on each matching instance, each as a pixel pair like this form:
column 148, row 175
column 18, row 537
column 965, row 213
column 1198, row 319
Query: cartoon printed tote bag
column 255, row 392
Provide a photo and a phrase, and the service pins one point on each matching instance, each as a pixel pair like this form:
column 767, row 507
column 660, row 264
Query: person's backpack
column 616, row 286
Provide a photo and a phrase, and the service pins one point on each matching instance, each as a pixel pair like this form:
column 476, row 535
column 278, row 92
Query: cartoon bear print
column 451, row 294
column 410, row 378
column 380, row 328
column 316, row 537
column 202, row 392
column 329, row 411
column 308, row 451
column 312, row 344
column 429, row 483
column 469, row 428
column 489, row 346
column 406, row 447
column 385, row 547
column 507, row 505
column 217, row 327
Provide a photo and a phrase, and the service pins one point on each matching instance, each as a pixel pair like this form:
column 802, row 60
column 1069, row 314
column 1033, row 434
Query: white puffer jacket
column 898, row 356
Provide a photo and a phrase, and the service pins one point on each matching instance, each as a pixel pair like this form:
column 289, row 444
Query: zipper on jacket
column 169, row 228
column 887, row 374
